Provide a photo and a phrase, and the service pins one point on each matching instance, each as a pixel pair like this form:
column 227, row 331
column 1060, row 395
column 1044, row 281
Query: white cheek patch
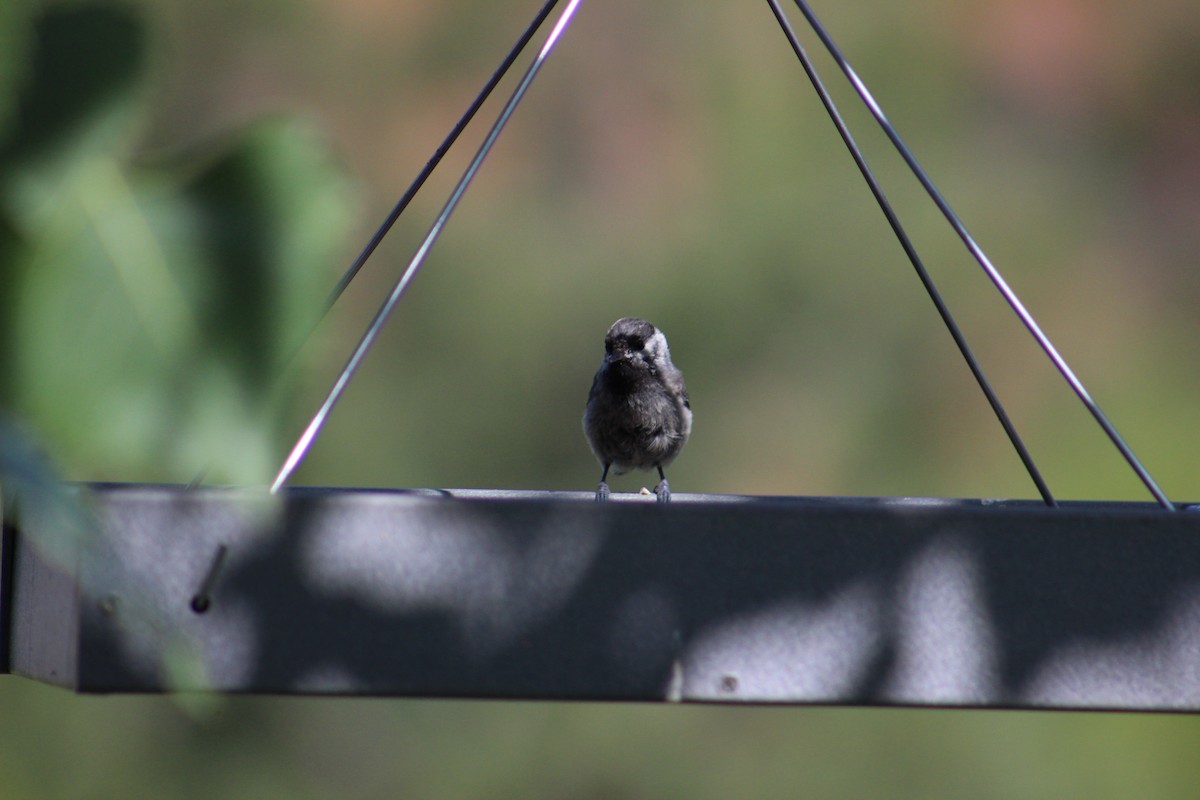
column 656, row 345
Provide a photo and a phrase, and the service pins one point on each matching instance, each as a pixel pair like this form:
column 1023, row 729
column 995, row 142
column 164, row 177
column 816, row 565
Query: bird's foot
column 663, row 491
column 602, row 492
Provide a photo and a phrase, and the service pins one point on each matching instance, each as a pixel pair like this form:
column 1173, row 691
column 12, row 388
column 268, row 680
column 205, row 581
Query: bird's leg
column 662, row 489
column 602, row 489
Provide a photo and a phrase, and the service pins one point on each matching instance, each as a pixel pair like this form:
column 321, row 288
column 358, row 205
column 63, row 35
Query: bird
column 638, row 415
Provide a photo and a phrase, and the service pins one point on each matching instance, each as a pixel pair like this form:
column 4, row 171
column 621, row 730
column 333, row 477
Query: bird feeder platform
column 550, row 596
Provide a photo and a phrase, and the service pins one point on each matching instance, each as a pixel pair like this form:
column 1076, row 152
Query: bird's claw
column 602, row 492
column 663, row 491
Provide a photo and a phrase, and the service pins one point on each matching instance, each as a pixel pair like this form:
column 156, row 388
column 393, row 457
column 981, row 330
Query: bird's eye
column 636, row 343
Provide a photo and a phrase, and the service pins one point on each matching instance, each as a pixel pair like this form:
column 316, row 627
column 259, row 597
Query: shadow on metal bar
column 540, row 595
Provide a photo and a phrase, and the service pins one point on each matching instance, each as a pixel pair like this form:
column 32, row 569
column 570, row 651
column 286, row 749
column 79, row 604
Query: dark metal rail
column 547, row 595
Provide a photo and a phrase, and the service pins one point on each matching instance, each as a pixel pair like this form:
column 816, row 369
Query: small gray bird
column 637, row 415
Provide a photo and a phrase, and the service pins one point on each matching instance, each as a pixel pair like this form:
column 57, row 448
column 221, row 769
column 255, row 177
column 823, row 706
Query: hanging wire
column 437, row 156
column 402, row 204
column 372, row 332
column 911, row 252
column 977, row 252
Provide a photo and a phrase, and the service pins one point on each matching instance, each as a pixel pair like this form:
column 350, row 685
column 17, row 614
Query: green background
column 182, row 184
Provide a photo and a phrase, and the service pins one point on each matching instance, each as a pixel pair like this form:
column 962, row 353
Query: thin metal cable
column 910, row 251
column 402, row 204
column 977, row 252
column 306, row 439
column 437, row 156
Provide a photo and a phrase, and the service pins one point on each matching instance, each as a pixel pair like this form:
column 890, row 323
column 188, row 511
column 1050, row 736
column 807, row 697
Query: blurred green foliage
column 168, row 290
column 176, row 199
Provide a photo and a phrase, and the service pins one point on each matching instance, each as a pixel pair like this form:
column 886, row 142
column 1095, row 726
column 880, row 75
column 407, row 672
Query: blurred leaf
column 12, row 252
column 80, row 86
column 270, row 213
column 30, row 488
column 169, row 295
column 14, row 38
column 73, row 71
